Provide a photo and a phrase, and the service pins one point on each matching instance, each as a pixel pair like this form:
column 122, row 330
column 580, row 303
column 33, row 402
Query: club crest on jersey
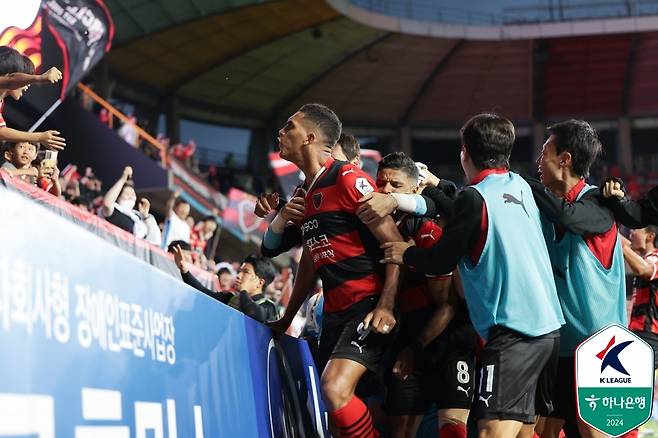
column 317, row 200
column 363, row 186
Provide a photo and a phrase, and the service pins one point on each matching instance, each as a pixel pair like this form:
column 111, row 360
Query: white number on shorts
column 490, row 376
column 462, row 372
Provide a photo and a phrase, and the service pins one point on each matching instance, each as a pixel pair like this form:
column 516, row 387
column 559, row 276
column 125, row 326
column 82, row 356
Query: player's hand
column 613, row 188
column 279, row 326
column 127, row 173
column 404, row 364
column 143, row 206
column 52, row 140
column 381, row 320
column 294, row 210
column 179, row 259
column 394, row 251
column 52, row 75
column 266, row 204
column 375, row 206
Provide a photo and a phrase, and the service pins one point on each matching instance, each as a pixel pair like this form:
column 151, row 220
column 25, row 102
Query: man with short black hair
column 358, row 297
column 435, row 345
column 254, row 276
column 495, row 229
column 585, row 252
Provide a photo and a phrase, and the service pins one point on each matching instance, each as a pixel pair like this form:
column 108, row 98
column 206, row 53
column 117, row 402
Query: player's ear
column 310, row 138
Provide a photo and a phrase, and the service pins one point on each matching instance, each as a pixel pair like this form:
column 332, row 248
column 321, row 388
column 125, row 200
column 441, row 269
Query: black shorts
column 516, row 375
column 445, row 370
column 564, row 393
column 343, row 337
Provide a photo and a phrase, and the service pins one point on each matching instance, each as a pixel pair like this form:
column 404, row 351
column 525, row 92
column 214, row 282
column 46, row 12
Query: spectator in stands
column 48, row 178
column 118, row 209
column 226, row 277
column 105, row 117
column 183, row 152
column 18, row 161
column 128, row 132
column 16, row 75
column 202, row 233
column 254, row 276
column 176, row 228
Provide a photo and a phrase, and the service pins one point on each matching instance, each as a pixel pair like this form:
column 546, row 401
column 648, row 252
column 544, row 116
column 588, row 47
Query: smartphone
column 49, row 159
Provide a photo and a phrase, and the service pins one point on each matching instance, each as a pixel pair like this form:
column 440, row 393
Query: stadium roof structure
column 252, row 63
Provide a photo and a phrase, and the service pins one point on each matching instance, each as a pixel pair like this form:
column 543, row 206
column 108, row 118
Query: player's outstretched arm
column 629, row 212
column 49, row 139
column 588, row 215
column 303, row 285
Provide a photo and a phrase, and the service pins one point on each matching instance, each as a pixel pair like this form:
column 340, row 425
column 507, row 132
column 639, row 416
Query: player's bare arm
column 381, row 317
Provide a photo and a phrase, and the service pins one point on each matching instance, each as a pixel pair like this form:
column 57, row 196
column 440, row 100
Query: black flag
column 83, row 30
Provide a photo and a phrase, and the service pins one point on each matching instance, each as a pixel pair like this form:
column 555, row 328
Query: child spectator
column 18, row 161
column 226, row 276
column 118, row 209
column 48, row 178
column 16, row 75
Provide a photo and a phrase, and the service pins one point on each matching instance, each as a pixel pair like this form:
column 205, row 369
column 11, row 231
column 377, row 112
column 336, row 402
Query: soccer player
column 280, row 238
column 495, row 237
column 585, row 252
column 359, row 295
column 436, row 343
column 641, row 254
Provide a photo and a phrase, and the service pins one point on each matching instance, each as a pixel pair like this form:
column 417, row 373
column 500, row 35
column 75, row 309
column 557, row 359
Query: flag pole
column 45, row 115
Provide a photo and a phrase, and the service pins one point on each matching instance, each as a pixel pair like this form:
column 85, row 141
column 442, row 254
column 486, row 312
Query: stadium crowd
column 422, row 299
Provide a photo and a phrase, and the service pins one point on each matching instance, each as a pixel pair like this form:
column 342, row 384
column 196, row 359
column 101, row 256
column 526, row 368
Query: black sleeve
column 292, row 237
column 191, row 280
column 251, row 309
column 629, row 213
column 441, row 200
column 459, row 237
column 588, row 215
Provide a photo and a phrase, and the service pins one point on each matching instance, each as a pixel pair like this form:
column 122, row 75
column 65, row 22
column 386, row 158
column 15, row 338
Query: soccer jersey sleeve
column 354, row 184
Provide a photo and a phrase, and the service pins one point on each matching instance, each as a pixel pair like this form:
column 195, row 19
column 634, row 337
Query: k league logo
column 614, row 380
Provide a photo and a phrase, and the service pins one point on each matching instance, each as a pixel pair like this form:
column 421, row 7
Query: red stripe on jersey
column 350, row 292
column 333, row 234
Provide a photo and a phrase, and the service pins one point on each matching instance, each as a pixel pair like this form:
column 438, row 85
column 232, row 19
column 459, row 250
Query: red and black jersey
column 644, row 316
column 425, row 232
column 345, row 253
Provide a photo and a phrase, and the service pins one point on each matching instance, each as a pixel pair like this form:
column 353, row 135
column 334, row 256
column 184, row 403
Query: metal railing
column 125, row 119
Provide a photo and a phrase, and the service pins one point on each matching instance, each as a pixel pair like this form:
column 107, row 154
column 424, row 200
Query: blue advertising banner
column 97, row 343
